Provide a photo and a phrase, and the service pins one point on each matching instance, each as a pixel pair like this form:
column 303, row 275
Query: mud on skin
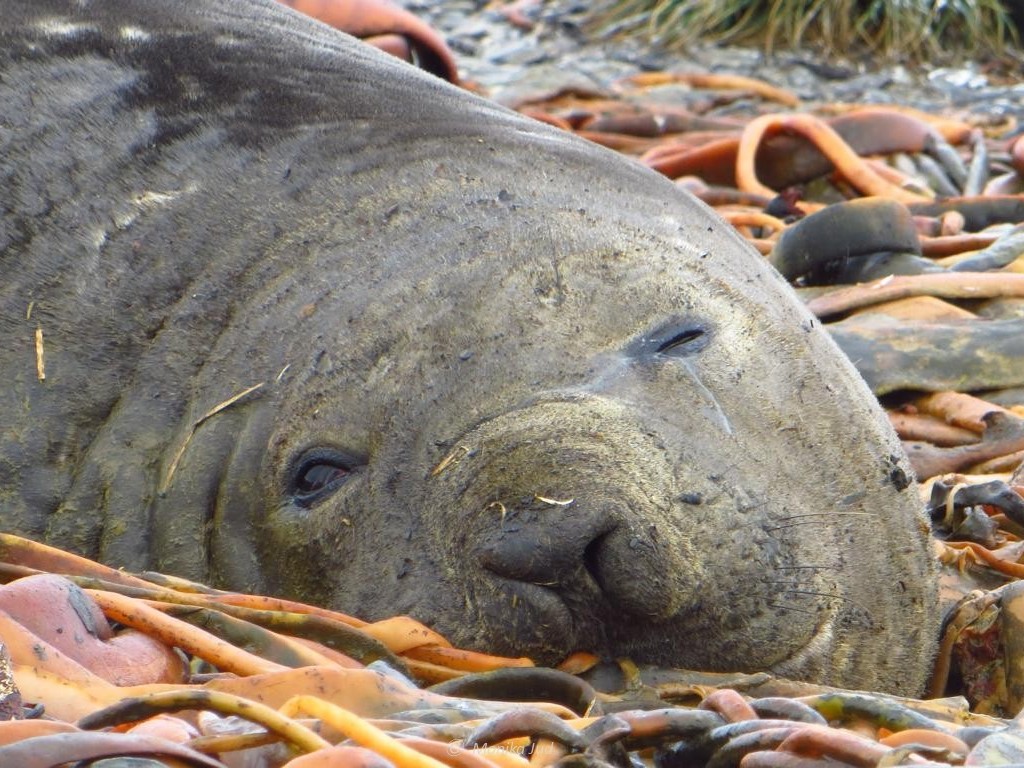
column 512, row 384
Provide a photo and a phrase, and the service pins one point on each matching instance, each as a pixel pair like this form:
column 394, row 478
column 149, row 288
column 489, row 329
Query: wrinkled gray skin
column 472, row 410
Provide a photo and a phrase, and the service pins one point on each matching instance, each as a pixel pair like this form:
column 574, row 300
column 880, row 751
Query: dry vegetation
column 927, row 30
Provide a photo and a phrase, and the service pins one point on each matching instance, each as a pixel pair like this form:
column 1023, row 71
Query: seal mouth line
column 819, row 646
column 545, row 609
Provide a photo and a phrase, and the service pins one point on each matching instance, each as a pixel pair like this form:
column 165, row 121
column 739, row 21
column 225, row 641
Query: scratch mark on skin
column 57, row 27
column 714, row 409
column 150, row 200
column 135, row 34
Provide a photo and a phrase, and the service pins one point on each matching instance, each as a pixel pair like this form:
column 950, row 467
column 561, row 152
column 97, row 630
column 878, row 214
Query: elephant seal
column 284, row 314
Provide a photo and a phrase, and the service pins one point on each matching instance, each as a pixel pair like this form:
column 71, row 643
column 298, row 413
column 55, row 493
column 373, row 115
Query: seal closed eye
column 680, row 338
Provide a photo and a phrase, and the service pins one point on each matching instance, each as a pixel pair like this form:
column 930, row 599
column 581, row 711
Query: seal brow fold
column 195, row 426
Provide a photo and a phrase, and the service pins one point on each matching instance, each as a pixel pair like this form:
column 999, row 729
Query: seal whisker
column 829, row 514
column 793, row 608
column 782, row 582
column 801, row 567
column 826, row 595
column 828, row 517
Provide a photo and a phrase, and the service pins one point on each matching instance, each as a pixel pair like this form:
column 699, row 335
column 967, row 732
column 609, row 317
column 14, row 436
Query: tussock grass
column 929, row 30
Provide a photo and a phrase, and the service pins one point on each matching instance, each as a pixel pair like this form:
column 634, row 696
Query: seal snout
column 545, row 541
column 585, row 552
column 563, row 508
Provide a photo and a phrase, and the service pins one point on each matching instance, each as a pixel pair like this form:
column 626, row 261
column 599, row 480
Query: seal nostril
column 633, row 573
column 541, row 543
column 592, row 560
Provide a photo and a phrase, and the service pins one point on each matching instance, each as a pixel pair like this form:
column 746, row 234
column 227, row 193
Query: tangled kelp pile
column 194, row 676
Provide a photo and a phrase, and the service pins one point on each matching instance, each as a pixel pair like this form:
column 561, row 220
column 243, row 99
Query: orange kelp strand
column 176, row 633
column 715, row 162
column 753, row 219
column 730, row 705
column 353, row 642
column 426, row 673
column 822, row 741
column 360, row 731
column 965, row 614
column 261, row 603
column 263, row 641
column 333, row 656
column 715, row 81
column 620, row 142
column 988, row 557
column 402, row 633
column 950, row 245
column 917, row 426
column 460, row 659
column 366, row 18
column 784, row 160
column 950, row 285
column 922, row 737
column 578, row 662
column 847, row 162
column 18, row 551
column 689, row 140
column 959, row 409
column 16, row 730
column 142, row 707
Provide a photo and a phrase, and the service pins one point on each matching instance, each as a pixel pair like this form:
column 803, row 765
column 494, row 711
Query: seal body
column 317, row 324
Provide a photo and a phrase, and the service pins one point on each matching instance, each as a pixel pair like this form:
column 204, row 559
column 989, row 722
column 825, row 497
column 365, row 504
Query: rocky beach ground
column 514, row 50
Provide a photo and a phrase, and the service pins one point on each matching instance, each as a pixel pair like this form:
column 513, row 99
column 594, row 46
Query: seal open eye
column 319, row 472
